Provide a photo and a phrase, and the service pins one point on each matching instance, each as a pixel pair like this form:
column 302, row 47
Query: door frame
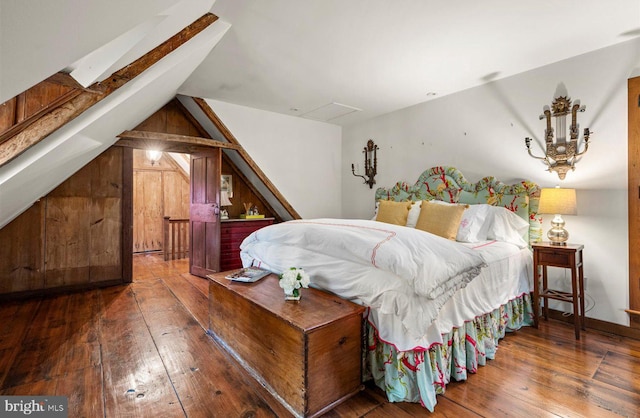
column 633, row 188
column 151, row 140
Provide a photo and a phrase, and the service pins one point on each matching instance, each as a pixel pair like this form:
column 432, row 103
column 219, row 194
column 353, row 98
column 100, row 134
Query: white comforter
column 398, row 271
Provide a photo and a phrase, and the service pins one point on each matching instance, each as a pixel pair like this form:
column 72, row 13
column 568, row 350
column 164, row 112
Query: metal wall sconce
column 370, row 169
column 561, row 155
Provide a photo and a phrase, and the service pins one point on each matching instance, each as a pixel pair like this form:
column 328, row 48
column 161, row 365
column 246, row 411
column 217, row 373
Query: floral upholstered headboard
column 448, row 184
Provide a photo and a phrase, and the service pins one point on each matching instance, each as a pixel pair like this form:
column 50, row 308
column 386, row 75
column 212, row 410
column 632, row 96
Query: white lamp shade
column 558, row 201
column 224, row 199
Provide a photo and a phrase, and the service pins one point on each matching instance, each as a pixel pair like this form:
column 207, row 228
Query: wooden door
column 204, row 219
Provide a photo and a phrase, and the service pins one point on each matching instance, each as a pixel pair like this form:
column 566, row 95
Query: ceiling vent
column 330, row 111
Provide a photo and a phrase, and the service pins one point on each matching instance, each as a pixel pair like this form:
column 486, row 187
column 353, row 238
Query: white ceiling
column 296, row 57
column 292, row 56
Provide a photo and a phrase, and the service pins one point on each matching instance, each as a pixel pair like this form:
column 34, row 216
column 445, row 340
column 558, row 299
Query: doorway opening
column 161, row 204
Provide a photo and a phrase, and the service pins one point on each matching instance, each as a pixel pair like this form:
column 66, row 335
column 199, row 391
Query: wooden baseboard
column 6, row 297
column 598, row 325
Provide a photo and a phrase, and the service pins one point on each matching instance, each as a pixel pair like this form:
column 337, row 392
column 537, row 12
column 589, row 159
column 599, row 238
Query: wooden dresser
column 307, row 353
column 232, row 232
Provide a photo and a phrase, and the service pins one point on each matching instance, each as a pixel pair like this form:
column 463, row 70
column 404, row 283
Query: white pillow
column 414, row 214
column 412, row 217
column 375, row 212
column 475, row 223
column 507, row 226
column 484, row 222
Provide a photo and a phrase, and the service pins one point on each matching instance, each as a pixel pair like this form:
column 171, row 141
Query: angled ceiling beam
column 202, row 104
column 22, row 124
column 170, row 142
column 56, row 118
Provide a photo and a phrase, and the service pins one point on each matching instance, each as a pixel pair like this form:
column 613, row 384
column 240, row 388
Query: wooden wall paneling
column 172, row 119
column 138, row 212
column 84, row 223
column 163, row 164
column 67, row 223
column 7, row 114
column 106, row 175
column 185, row 188
column 67, row 240
column 79, row 184
column 634, row 197
column 138, row 156
column 176, row 195
column 105, row 235
column 197, row 128
column 175, row 167
column 127, row 215
column 165, row 181
column 106, row 216
column 152, row 212
column 154, row 123
column 178, row 123
column 21, row 251
column 71, row 237
column 26, row 107
column 41, row 96
column 175, row 121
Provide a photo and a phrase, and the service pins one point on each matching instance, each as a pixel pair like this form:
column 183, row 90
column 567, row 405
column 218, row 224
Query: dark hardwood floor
column 141, row 350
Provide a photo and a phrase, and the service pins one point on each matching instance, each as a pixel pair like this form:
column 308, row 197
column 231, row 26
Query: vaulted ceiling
column 297, row 57
column 294, row 57
column 340, row 61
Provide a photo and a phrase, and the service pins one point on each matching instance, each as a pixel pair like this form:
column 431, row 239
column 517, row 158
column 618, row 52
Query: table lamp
column 558, row 202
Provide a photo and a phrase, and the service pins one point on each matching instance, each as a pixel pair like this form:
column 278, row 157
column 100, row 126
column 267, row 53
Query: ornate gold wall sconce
column 370, row 167
column 561, row 155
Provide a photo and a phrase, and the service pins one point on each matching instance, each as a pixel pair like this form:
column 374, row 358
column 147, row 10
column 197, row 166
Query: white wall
column 481, row 131
column 301, row 157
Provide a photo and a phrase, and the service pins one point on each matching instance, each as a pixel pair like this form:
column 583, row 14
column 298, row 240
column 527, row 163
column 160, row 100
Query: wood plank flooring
column 141, row 351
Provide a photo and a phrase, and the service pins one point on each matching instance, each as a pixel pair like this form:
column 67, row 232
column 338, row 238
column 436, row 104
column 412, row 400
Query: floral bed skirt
column 419, row 375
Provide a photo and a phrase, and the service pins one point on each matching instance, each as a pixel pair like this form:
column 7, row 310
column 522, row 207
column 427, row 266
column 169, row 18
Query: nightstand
column 567, row 256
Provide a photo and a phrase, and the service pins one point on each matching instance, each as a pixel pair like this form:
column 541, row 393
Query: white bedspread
column 402, row 273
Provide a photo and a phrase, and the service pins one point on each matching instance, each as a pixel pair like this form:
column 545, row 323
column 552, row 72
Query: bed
column 437, row 303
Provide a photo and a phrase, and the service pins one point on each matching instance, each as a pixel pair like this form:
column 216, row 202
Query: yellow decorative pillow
column 393, row 212
column 442, row 220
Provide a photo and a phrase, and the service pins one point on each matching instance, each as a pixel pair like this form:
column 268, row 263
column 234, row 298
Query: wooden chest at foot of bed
column 306, row 353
